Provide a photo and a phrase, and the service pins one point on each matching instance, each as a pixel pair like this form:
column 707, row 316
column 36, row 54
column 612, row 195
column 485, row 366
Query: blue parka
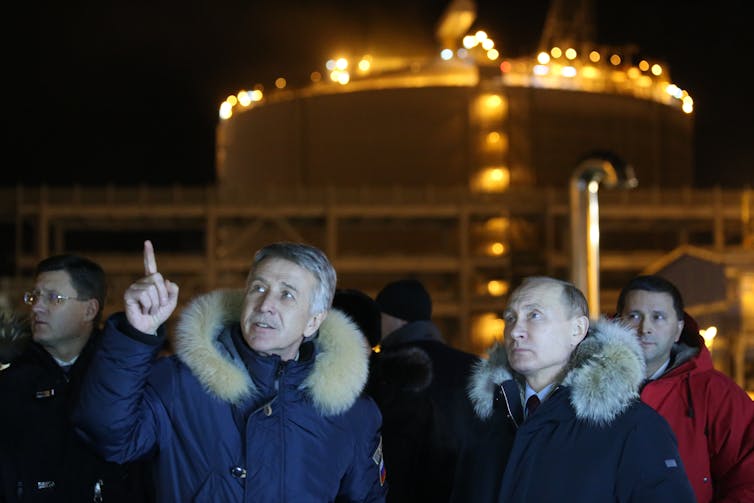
column 223, row 423
column 591, row 439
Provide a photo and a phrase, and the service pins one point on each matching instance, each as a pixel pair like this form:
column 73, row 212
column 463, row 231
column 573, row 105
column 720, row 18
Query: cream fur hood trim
column 604, row 374
column 337, row 379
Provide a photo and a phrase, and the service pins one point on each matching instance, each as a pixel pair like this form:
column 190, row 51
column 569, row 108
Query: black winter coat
column 590, row 440
column 41, row 457
column 419, row 383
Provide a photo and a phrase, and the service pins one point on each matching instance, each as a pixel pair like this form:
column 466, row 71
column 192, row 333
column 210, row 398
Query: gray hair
column 310, row 258
column 573, row 298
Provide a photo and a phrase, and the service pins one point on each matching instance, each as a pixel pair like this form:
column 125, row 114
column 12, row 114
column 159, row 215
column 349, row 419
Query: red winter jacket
column 713, row 420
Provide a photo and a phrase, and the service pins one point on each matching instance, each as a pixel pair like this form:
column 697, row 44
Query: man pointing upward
column 264, row 381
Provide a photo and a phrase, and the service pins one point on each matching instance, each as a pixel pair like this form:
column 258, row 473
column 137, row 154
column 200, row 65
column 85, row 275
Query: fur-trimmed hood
column 603, row 374
column 340, row 370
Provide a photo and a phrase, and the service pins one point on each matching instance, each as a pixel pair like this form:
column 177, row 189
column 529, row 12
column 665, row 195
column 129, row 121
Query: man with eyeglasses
column 42, row 457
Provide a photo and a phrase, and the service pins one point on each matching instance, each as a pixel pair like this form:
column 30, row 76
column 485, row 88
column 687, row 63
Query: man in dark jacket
column 711, row 416
column 584, row 435
column 42, row 457
column 261, row 400
column 418, row 382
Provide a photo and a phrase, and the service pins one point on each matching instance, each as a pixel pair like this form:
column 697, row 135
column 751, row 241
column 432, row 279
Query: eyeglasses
column 31, row 298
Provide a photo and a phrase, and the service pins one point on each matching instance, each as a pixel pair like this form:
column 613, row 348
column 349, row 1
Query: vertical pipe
column 608, row 169
column 593, row 251
column 578, row 235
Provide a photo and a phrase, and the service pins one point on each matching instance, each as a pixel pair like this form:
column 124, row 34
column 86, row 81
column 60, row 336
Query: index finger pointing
column 150, row 264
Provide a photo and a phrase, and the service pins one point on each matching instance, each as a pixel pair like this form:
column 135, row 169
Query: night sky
column 127, row 92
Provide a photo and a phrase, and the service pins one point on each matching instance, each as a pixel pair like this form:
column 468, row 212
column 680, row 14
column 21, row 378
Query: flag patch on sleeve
column 380, row 462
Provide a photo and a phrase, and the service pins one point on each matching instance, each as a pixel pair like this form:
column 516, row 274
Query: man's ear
column 91, row 310
column 314, row 322
column 579, row 327
column 680, row 330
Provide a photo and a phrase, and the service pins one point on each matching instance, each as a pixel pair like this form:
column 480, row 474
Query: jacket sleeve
column 115, row 412
column 730, row 427
column 365, row 481
column 650, row 469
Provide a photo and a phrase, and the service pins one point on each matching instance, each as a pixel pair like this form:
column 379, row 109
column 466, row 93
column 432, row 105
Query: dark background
column 127, row 92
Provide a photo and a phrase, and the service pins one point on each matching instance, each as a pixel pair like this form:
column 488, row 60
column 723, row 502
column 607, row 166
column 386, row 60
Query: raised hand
column 151, row 300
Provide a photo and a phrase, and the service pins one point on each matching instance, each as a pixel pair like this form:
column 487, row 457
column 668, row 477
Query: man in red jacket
column 711, row 416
